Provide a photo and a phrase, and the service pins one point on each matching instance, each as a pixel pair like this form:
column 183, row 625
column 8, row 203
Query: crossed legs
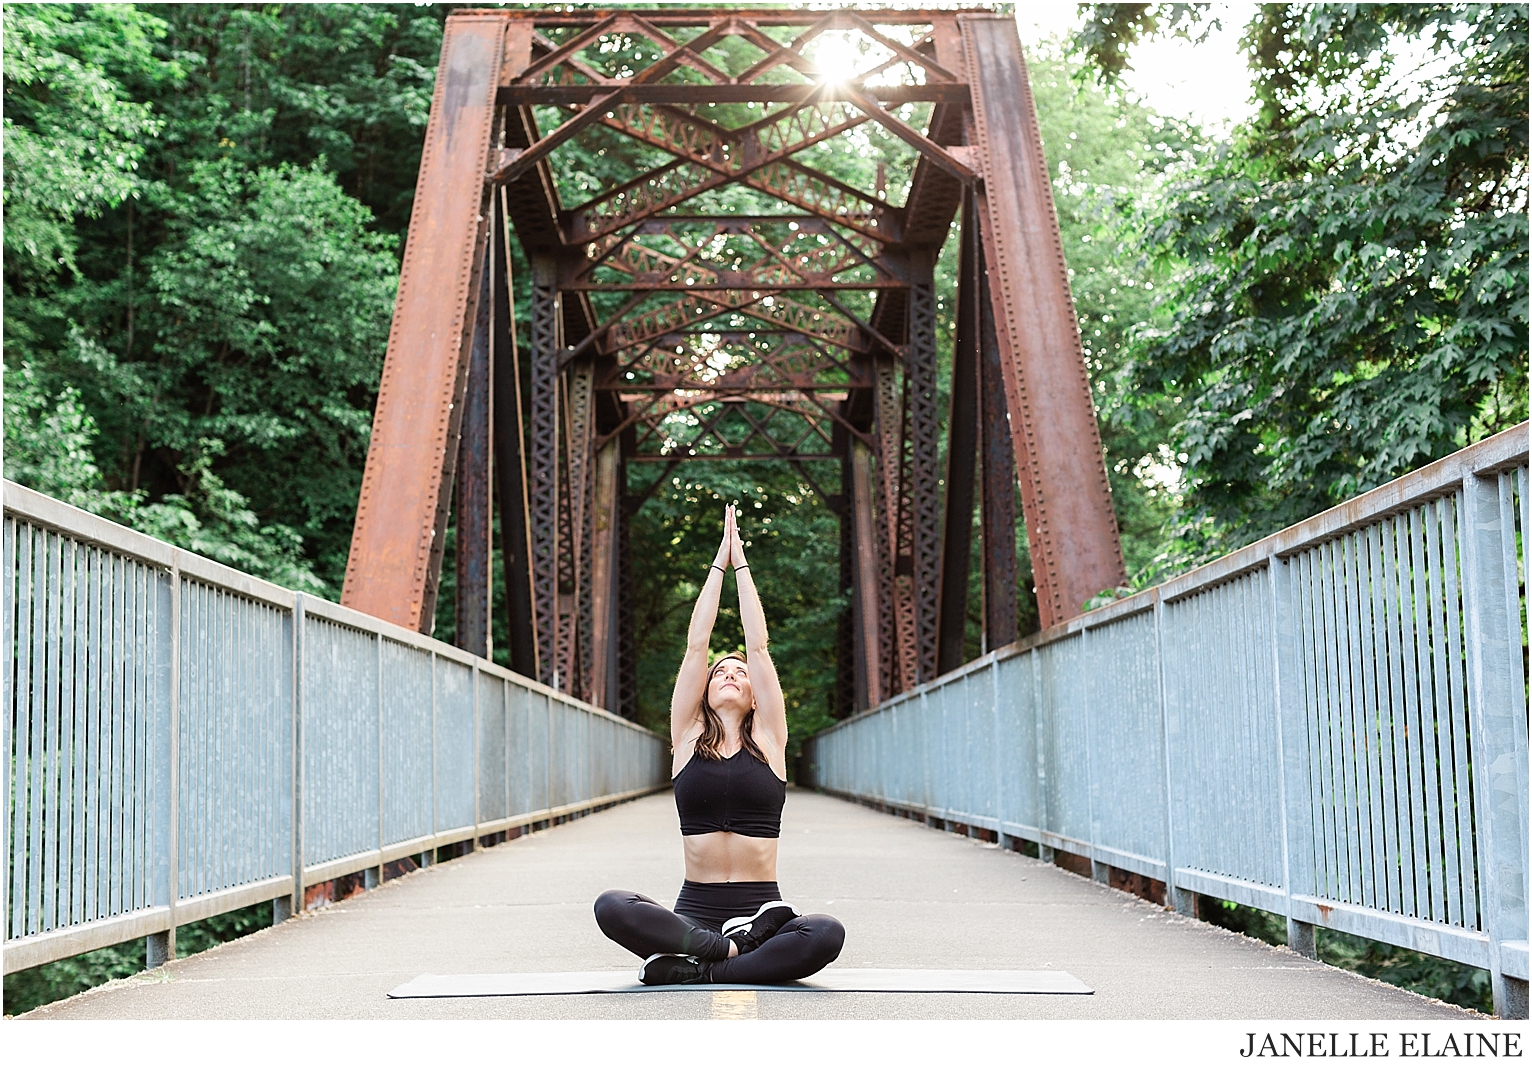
column 803, row 946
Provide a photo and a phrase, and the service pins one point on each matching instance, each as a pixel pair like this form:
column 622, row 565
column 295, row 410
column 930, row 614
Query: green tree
column 213, row 295
column 73, row 135
column 1343, row 284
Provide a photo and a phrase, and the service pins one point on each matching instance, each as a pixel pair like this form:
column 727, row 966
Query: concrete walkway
column 909, row 896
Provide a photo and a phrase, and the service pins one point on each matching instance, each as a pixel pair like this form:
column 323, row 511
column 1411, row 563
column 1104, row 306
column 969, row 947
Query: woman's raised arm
column 770, row 706
column 691, row 681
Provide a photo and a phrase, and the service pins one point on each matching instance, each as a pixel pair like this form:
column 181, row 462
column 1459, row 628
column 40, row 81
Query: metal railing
column 1329, row 724
column 183, row 740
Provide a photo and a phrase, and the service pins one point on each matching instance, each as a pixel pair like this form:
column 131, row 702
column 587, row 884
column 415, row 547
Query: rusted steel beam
column 734, row 280
column 935, row 194
column 474, row 508
column 1071, row 526
column 962, row 442
column 581, row 450
column 667, row 186
column 532, row 198
column 543, row 470
column 895, row 558
column 784, row 390
column 691, row 252
column 844, row 702
column 582, row 95
column 825, row 325
column 520, row 161
column 997, row 493
column 604, row 616
column 925, row 464
column 730, row 430
column 582, row 18
column 571, row 652
column 758, row 159
column 510, row 456
column 870, row 668
column 774, row 457
column 406, row 487
column 627, row 642
column 929, row 150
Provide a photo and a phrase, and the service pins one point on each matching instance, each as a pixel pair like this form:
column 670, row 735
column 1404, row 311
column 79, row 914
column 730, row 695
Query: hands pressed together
column 731, row 550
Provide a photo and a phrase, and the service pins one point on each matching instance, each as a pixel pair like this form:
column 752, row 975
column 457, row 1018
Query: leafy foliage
column 73, row 137
column 209, row 310
column 1344, row 293
column 1450, row 982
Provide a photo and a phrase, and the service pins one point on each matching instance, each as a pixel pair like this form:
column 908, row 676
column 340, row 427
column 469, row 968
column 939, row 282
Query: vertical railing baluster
column 1432, row 703
column 8, row 716
column 50, row 748
column 171, row 804
column 1400, row 674
column 473, row 681
column 1389, row 870
column 1181, row 902
column 1374, row 864
column 1292, row 750
column 67, row 716
column 377, row 671
column 94, row 728
column 1416, row 668
column 298, row 776
column 1312, row 712
column 435, row 814
column 81, row 724
column 1460, row 859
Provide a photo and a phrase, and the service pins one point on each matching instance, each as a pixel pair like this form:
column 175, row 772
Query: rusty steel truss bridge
column 731, row 299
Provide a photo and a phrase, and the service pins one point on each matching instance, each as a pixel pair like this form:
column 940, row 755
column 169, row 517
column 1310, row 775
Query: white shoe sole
column 734, row 925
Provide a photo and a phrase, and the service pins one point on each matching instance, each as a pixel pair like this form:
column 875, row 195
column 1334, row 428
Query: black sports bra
column 740, row 794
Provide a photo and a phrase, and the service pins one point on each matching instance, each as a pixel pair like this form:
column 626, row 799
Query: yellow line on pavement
column 734, row 1006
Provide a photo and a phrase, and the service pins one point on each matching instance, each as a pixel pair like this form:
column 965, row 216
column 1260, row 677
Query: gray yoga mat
column 1025, row 982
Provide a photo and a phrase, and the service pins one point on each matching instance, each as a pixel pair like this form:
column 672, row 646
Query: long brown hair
column 712, row 725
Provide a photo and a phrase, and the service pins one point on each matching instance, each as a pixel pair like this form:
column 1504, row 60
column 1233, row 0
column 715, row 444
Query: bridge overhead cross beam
column 719, row 294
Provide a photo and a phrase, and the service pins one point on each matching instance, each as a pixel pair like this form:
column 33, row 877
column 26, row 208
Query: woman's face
column 729, row 687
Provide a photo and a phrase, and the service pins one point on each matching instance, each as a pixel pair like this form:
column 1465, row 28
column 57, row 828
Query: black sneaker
column 750, row 933
column 665, row 969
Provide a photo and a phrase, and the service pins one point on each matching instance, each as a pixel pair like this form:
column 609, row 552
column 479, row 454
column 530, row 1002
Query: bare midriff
column 713, row 857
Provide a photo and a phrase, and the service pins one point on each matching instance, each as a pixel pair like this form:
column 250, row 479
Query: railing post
column 1292, row 756
column 372, row 877
column 1177, row 900
column 1100, row 872
column 1004, row 839
column 296, row 904
column 160, row 948
column 1044, row 852
column 435, row 754
column 1498, row 709
column 473, row 679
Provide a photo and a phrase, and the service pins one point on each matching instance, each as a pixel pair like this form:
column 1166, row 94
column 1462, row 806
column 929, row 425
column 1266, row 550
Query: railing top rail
column 33, row 506
column 1491, row 455
column 347, row 616
column 44, row 510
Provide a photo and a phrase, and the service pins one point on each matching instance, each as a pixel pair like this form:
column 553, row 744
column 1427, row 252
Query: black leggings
column 802, row 947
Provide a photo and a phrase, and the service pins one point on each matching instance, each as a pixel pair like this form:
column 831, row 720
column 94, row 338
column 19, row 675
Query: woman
column 728, row 735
